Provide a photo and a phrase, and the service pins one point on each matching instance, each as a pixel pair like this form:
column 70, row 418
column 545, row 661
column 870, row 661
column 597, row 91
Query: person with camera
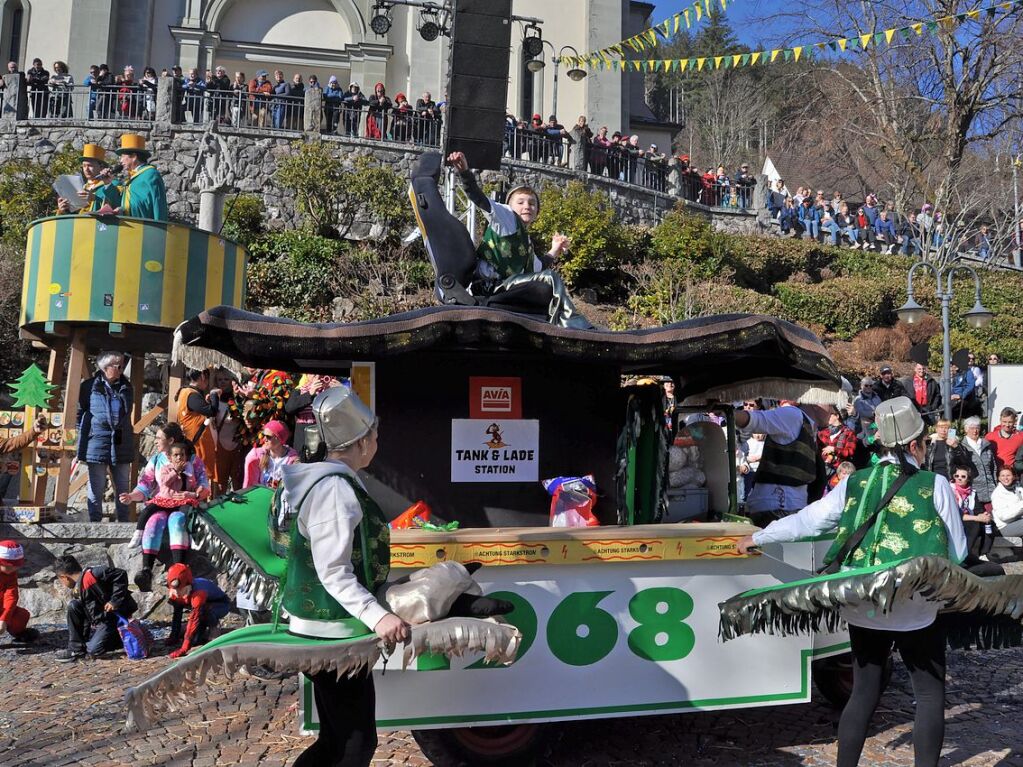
column 99, row 189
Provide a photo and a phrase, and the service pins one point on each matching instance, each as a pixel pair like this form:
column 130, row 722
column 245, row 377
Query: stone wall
column 176, row 150
column 91, row 544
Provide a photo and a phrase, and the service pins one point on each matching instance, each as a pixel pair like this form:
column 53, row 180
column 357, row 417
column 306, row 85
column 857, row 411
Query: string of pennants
column 649, row 38
column 795, row 53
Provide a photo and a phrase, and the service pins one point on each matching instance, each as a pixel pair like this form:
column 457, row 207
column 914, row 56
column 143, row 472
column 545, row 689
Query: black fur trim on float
column 995, row 604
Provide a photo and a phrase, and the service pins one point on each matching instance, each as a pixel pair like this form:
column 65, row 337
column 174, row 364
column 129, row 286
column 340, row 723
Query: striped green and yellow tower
column 117, row 275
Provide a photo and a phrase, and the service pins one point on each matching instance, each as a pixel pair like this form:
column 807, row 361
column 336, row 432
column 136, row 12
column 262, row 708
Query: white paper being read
column 68, row 187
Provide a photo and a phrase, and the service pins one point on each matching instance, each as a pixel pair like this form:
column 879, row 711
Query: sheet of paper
column 68, row 187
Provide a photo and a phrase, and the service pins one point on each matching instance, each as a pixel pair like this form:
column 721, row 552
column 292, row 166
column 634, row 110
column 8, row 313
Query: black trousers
column 923, row 652
column 348, row 728
column 83, row 635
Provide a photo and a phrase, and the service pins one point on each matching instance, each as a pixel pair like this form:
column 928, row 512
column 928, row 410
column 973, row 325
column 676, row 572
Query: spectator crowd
column 983, row 465
column 875, row 225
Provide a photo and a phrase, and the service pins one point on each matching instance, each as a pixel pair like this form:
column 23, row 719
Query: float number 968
column 579, row 632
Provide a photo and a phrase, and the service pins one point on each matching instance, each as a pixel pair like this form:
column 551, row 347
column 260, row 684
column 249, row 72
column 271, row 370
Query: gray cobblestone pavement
column 72, row 714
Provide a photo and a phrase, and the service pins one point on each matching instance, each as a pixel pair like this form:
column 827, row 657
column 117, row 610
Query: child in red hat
column 208, row 605
column 13, row 619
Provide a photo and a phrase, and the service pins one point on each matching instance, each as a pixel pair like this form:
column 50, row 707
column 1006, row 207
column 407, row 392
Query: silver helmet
column 898, row 422
column 341, row 417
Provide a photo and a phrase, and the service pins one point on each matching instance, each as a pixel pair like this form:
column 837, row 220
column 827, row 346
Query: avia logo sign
column 495, row 399
column 489, row 397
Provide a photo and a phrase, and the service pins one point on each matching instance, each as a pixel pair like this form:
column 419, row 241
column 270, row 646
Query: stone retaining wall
column 255, row 152
column 91, row 544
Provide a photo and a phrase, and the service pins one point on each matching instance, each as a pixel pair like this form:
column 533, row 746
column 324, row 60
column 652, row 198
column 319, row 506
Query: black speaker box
column 478, row 80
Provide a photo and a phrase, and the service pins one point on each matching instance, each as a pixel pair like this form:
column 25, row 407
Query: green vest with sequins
column 909, row 526
column 509, row 255
column 304, row 595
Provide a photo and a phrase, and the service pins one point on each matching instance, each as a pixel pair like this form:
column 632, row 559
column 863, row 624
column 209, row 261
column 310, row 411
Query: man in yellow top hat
column 99, row 189
column 143, row 194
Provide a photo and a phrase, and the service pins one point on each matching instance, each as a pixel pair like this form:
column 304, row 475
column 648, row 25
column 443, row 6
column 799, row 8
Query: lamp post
column 978, row 317
column 575, row 73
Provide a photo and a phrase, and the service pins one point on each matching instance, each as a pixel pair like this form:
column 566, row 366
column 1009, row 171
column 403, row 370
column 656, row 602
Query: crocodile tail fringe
column 452, row 637
column 227, row 561
column 994, row 606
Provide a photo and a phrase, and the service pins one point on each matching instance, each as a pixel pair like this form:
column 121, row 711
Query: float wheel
column 501, row 746
column 833, row 678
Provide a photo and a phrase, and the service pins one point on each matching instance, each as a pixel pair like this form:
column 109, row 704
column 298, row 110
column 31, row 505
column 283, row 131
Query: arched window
column 13, row 21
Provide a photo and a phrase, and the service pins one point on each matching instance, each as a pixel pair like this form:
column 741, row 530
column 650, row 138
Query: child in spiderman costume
column 207, row 603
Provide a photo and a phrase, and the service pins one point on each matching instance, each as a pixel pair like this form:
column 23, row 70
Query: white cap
column 898, row 422
column 341, row 417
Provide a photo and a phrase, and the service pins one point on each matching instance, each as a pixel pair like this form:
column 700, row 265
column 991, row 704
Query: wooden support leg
column 54, row 374
column 76, row 368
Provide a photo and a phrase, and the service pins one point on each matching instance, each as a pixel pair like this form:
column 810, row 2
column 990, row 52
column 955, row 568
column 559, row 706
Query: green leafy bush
column 244, row 219
column 760, row 262
column 293, row 270
column 599, row 241
column 331, row 197
column 844, row 306
column 26, row 191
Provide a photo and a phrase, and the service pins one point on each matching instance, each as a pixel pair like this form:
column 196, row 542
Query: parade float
column 477, row 406
column 96, row 283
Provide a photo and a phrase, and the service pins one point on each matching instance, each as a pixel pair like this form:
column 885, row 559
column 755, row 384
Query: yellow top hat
column 132, row 143
column 94, row 153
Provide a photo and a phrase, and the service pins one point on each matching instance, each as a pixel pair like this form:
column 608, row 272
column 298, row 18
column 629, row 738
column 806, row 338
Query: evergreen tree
column 31, row 389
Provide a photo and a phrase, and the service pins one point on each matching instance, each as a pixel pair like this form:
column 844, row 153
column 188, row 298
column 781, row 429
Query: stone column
column 211, row 210
column 15, row 98
column 313, row 111
column 674, row 187
column 164, row 102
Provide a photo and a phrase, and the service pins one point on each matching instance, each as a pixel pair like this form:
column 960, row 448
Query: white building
column 328, row 37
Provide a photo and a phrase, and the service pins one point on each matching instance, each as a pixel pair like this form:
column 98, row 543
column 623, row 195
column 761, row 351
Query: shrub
column 882, row 345
column 923, row 329
column 844, row 306
column 244, row 219
column 689, row 241
column 293, row 270
column 26, row 191
column 599, row 241
column 760, row 262
column 331, row 198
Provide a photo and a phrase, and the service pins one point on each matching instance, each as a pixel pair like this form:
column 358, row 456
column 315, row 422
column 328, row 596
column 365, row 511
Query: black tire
column 512, row 745
column 833, row 677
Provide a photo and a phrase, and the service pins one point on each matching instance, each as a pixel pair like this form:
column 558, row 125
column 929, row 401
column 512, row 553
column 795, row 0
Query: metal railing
column 261, row 110
column 77, row 102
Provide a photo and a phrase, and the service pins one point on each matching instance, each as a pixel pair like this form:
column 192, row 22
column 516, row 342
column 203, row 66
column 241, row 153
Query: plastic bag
column 572, row 501
column 136, row 638
column 417, row 517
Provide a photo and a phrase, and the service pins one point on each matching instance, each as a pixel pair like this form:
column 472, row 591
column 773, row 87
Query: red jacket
column 1005, row 447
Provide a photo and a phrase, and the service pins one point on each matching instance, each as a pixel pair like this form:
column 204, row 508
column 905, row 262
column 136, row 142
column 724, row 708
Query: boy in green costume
column 920, row 520
column 507, row 260
column 339, row 556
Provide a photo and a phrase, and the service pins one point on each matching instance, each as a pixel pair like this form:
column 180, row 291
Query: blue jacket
column 812, row 213
column 887, row 228
column 870, row 211
column 963, row 383
column 105, row 434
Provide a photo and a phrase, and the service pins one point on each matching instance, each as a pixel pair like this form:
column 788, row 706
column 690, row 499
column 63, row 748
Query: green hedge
column 843, row 305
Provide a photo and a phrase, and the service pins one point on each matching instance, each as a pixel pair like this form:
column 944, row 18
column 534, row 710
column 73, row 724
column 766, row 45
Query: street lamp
column 575, row 73
column 978, row 317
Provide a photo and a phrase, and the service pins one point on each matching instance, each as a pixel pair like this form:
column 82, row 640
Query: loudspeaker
column 478, row 80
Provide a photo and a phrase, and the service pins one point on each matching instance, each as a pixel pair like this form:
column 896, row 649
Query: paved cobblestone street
column 72, row 714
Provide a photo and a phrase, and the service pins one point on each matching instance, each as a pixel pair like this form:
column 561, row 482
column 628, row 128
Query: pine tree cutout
column 32, row 389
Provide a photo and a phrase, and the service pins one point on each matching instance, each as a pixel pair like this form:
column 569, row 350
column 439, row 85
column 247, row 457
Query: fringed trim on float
column 200, row 358
column 992, row 608
column 804, row 392
column 231, row 561
column 256, row 645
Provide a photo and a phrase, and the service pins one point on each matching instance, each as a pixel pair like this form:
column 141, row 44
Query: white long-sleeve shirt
column 1006, row 505
column 783, row 425
column 823, row 517
column 328, row 519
